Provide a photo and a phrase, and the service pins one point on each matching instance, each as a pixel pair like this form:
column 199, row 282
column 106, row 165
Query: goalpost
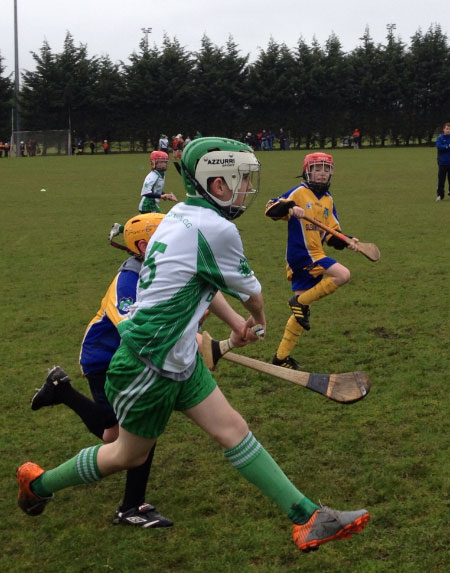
column 48, row 142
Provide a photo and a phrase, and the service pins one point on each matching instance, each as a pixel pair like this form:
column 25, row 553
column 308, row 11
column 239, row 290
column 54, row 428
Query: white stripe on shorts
column 126, row 399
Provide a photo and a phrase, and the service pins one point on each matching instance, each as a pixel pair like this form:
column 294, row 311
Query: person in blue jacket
column 443, row 159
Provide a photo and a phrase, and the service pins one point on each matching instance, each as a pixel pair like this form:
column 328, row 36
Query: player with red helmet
column 313, row 274
column 153, row 188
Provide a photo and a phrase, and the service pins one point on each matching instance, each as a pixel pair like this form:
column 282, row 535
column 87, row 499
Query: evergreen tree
column 174, row 90
column 428, row 70
column 393, row 89
column 365, row 70
column 334, row 93
column 158, row 87
column 40, row 107
column 271, row 94
column 76, row 74
column 6, row 97
column 56, row 94
column 107, row 102
column 220, row 93
column 304, row 93
column 142, row 96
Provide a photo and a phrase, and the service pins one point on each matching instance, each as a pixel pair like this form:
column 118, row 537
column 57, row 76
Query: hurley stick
column 344, row 388
column 369, row 250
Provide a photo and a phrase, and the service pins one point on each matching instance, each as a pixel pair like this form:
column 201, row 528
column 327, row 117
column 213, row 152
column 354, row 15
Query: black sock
column 86, row 409
column 136, row 484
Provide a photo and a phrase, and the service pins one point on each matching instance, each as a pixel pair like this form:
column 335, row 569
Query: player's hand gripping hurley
column 345, row 388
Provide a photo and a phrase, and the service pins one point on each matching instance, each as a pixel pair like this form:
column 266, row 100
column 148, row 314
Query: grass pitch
column 388, row 453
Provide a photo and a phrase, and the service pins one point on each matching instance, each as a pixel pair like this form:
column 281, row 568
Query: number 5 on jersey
column 149, row 266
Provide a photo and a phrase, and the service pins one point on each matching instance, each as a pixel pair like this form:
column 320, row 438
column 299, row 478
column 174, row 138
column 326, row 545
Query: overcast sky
column 114, row 27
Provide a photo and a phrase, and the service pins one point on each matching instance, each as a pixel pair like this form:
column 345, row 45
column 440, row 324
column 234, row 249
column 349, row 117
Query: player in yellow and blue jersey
column 313, row 274
column 100, row 341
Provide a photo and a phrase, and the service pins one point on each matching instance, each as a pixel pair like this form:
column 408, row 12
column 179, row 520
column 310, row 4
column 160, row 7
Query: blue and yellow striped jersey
column 305, row 240
column 102, row 338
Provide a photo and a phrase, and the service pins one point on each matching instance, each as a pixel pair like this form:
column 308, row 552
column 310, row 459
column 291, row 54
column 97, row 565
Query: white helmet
column 226, row 158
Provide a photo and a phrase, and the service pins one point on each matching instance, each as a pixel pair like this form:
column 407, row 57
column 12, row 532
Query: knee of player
column 232, row 433
column 136, row 461
column 343, row 276
column 129, row 458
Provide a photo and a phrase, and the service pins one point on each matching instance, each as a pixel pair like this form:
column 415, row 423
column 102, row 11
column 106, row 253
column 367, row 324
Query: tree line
column 393, row 92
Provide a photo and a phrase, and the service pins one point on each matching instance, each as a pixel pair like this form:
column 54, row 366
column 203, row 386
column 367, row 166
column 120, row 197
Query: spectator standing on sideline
column 282, row 139
column 270, row 139
column 264, row 141
column 197, row 135
column 105, row 146
column 179, row 147
column 163, row 143
column 356, row 138
column 443, row 159
column 92, row 146
column 248, row 139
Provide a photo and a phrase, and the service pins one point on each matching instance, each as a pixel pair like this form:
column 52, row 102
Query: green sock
column 256, row 465
column 80, row 469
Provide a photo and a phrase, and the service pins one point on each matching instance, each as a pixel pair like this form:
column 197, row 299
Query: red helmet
column 317, row 158
column 158, row 156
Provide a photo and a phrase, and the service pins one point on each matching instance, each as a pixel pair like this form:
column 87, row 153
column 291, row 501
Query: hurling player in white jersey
column 196, row 251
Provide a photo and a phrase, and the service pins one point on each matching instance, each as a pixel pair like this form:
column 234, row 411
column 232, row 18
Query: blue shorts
column 307, row 277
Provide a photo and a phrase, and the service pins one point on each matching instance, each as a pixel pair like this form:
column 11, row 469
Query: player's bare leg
column 128, row 451
column 313, row 525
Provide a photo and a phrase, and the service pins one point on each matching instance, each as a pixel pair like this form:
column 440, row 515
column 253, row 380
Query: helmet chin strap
column 224, row 210
column 124, row 248
column 317, row 186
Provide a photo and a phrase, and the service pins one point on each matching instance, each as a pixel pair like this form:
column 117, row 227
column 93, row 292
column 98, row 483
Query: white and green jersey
column 154, row 185
column 193, row 253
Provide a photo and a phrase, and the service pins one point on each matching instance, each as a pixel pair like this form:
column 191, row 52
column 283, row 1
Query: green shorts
column 143, row 400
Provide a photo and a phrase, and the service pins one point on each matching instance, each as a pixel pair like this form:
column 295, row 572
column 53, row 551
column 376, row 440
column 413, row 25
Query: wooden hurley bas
column 369, row 250
column 344, row 388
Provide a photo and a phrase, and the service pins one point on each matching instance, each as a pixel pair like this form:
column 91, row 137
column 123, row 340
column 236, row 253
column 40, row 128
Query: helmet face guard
column 318, row 162
column 241, row 173
column 234, row 162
